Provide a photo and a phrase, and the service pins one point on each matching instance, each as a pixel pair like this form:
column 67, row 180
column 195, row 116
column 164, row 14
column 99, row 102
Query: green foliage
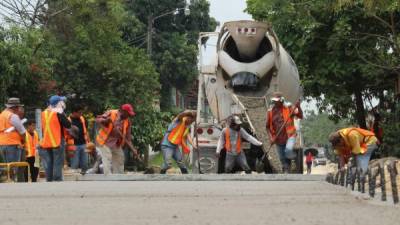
column 94, row 62
column 174, row 38
column 24, row 68
column 332, row 50
column 149, row 127
column 391, row 131
column 317, row 127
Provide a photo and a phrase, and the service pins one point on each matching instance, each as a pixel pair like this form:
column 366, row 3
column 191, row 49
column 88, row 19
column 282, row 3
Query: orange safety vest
column 70, row 140
column 51, row 130
column 104, row 132
column 366, row 133
column 178, row 136
column 228, row 141
column 290, row 128
column 31, row 143
column 10, row 138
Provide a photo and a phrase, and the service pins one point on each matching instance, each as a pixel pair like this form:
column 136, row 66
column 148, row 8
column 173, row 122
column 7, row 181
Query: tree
column 92, row 59
column 25, row 70
column 174, row 37
column 327, row 46
column 317, row 127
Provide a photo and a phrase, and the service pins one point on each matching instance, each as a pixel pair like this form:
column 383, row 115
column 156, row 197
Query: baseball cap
column 56, row 99
column 128, row 108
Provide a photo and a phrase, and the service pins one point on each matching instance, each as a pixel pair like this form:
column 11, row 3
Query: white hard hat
column 236, row 120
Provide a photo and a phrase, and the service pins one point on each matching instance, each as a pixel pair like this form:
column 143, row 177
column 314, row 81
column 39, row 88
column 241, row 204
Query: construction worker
column 231, row 139
column 355, row 142
column 177, row 135
column 12, row 133
column 78, row 143
column 115, row 132
column 52, row 144
column 31, row 142
column 281, row 129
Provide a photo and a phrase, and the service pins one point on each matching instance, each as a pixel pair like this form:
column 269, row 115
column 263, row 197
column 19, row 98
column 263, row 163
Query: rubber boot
column 184, row 171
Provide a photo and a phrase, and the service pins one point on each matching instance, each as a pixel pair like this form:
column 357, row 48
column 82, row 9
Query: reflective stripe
column 290, row 128
column 228, row 146
column 366, row 136
column 47, row 130
column 104, row 132
column 178, row 136
column 30, row 143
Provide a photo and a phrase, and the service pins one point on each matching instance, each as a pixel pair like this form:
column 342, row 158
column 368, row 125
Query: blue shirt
column 165, row 140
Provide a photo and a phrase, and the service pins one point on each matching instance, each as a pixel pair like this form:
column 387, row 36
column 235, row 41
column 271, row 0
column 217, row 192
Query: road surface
column 188, row 203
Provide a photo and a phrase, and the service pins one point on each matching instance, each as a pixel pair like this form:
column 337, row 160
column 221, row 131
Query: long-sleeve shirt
column 114, row 139
column 234, row 137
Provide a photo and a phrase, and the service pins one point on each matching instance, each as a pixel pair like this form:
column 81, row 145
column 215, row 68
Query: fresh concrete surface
column 188, row 203
column 198, row 177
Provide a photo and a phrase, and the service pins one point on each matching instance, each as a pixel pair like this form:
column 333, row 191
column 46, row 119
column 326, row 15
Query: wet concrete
column 182, row 202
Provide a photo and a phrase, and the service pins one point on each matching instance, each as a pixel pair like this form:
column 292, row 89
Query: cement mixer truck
column 248, row 65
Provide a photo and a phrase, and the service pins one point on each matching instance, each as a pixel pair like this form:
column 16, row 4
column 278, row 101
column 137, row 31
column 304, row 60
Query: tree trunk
column 360, row 110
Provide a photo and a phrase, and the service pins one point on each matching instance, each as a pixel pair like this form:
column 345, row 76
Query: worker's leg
column 117, row 161
column 363, row 159
column 167, row 153
column 75, row 159
column 281, row 152
column 106, row 158
column 177, row 155
column 46, row 156
column 58, row 164
column 12, row 154
column 83, row 159
column 289, row 153
column 242, row 161
column 229, row 162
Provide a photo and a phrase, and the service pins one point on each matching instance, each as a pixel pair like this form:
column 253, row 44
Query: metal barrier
column 353, row 176
column 10, row 165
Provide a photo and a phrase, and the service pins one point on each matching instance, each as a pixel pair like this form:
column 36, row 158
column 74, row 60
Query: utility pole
column 149, row 34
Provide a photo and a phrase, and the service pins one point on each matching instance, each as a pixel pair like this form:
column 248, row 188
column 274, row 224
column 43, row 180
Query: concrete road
column 188, row 203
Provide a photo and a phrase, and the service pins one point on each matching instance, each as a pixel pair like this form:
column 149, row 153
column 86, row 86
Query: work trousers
column 286, row 152
column 53, row 162
column 240, row 159
column 80, row 159
column 113, row 160
column 362, row 160
column 170, row 153
column 33, row 170
column 13, row 153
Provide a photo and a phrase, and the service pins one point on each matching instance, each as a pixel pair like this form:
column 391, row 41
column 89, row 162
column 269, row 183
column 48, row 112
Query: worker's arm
column 64, row 120
column 17, row 124
column 243, row 133
column 190, row 140
column 297, row 111
column 221, row 141
column 104, row 119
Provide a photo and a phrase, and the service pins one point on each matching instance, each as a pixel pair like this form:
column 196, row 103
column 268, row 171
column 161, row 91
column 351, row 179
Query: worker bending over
column 231, row 140
column 355, row 142
column 177, row 135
